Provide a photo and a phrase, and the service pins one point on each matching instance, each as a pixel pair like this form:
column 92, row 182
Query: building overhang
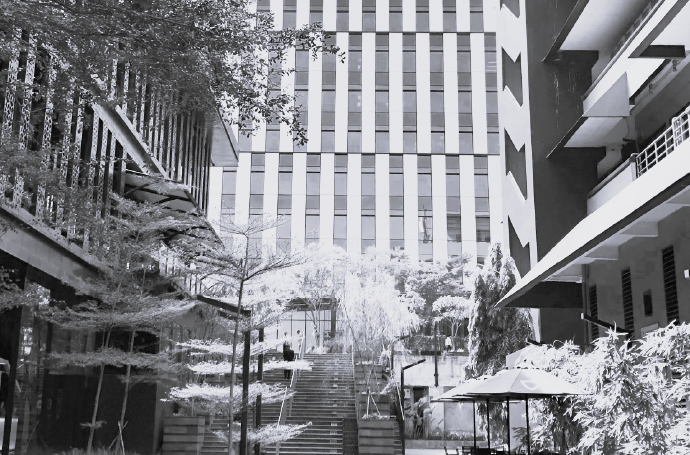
column 649, row 55
column 554, row 282
column 159, row 191
column 594, row 24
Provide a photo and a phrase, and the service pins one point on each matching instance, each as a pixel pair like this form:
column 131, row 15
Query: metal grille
column 670, row 290
column 593, row 310
column 669, row 140
column 627, row 300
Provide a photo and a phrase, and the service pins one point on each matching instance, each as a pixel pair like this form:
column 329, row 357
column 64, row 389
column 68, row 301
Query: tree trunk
column 92, row 429
column 234, row 355
column 127, row 381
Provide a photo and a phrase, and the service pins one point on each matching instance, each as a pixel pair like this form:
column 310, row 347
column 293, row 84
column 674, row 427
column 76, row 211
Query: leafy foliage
column 215, row 53
column 633, row 406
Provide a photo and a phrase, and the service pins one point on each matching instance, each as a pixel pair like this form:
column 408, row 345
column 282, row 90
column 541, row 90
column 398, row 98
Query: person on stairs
column 286, row 349
column 290, row 356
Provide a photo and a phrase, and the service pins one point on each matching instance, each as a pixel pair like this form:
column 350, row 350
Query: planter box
column 376, row 436
column 183, row 435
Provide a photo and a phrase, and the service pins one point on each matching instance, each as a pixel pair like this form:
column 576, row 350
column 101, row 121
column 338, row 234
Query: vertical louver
column 670, row 290
column 627, row 300
column 593, row 310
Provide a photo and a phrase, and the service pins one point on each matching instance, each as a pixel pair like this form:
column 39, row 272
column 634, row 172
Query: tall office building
column 403, row 147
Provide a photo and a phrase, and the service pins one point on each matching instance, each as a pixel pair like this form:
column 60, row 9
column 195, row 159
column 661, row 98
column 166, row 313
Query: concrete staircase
column 325, row 397
column 269, row 414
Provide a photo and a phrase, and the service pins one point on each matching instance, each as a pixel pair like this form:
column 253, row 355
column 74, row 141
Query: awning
column 634, row 212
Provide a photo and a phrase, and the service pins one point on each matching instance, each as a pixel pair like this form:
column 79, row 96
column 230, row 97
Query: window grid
column 283, row 231
column 453, row 213
column 340, row 203
column 313, row 198
column 593, row 310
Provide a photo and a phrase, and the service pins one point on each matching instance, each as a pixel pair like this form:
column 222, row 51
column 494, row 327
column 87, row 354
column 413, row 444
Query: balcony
column 666, row 143
column 612, row 184
column 640, row 163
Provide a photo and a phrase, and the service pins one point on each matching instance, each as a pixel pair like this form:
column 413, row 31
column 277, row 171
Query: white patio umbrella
column 523, row 384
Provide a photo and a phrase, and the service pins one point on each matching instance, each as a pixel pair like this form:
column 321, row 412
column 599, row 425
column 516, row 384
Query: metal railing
column 667, row 142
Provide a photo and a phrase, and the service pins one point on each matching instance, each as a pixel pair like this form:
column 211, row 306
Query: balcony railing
column 667, row 142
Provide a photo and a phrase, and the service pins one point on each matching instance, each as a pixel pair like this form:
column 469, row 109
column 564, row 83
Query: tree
column 431, row 281
column 131, row 295
column 223, row 400
column 315, row 283
column 204, row 55
column 494, row 332
column 240, row 270
column 452, row 311
column 632, row 407
column 374, row 314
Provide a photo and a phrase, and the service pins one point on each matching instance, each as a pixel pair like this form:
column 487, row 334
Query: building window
column 465, row 109
column 382, row 142
column 422, row 16
column 368, row 193
column 493, row 144
column 490, row 61
column 409, row 142
column 438, row 143
column 368, row 232
column 354, row 141
column 340, row 231
column 481, row 193
column 340, row 187
column 668, row 262
column 395, row 16
column 450, row 24
column 465, row 143
column 227, row 204
column 626, row 285
column 312, row 228
column 256, row 190
column 437, row 115
column 647, row 302
column 396, row 184
column 476, row 16
column 593, row 310
column 368, row 22
column 328, row 141
column 492, row 109
column 397, row 232
column 483, row 229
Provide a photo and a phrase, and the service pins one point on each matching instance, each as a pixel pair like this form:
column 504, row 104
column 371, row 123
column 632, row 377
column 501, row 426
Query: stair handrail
column 400, row 414
column 354, row 377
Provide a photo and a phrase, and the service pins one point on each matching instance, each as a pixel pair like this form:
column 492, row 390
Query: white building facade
column 403, row 147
